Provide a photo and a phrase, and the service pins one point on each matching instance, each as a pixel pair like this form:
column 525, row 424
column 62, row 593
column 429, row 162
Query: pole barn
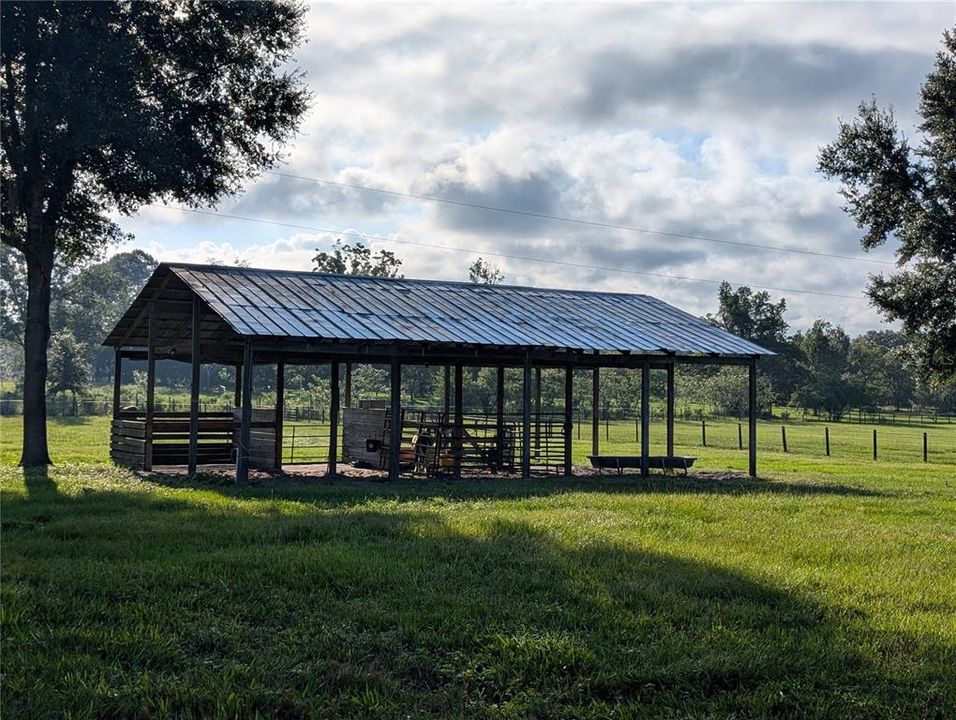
column 243, row 317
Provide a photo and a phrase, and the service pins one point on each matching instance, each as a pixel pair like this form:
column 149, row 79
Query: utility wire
column 526, row 258
column 578, row 221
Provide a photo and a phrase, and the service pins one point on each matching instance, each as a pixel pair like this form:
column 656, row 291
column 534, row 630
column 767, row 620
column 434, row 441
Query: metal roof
column 314, row 306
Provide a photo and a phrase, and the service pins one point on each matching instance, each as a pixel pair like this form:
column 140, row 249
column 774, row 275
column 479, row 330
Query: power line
column 453, row 248
column 578, row 221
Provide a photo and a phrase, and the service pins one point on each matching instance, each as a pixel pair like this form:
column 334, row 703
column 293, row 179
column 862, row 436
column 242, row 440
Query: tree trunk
column 36, row 339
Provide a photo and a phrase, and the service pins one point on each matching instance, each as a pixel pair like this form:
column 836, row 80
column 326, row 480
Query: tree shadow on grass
column 39, row 484
column 345, row 490
column 128, row 603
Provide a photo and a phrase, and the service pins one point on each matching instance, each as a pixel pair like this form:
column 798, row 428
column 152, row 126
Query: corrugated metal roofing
column 281, row 303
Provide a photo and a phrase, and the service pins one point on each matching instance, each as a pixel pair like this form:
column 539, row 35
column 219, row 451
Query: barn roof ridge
column 206, row 267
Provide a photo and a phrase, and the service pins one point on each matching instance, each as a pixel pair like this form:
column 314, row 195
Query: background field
column 86, row 439
column 825, row 589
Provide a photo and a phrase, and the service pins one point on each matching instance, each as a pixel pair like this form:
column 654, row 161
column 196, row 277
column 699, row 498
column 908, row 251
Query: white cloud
column 699, row 120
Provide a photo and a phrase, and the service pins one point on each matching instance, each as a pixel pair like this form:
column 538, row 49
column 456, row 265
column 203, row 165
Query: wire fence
column 62, row 406
column 306, row 436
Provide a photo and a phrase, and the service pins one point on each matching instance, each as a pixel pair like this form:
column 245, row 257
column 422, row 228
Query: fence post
column 783, row 436
column 925, row 448
column 826, row 440
column 637, row 427
column 703, row 432
column 740, row 436
column 292, row 450
column 874, row 443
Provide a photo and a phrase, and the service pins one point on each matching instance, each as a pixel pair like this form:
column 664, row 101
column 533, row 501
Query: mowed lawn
column 825, row 589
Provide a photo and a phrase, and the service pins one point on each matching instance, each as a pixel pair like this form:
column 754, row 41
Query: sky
column 663, row 120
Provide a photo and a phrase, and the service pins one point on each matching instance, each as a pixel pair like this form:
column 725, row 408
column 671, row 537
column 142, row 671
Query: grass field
column 86, row 439
column 825, row 589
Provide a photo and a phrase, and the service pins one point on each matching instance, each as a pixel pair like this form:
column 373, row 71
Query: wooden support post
column 526, row 418
column 333, row 421
column 670, row 409
column 740, row 436
column 645, row 417
column 193, row 460
column 150, row 389
column 238, row 390
column 500, row 417
column 459, row 432
column 826, row 440
column 348, row 384
column 874, row 443
column 783, row 437
column 537, row 412
column 925, row 448
column 596, row 412
column 280, row 414
column 117, row 381
column 568, row 418
column 245, row 422
column 752, row 419
column 447, row 389
column 703, row 432
column 395, row 415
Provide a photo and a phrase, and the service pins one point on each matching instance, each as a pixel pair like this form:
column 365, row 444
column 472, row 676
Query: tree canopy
column 110, row 105
column 357, row 259
column 894, row 190
column 482, row 271
column 69, row 371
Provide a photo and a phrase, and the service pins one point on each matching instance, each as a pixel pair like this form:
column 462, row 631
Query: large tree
column 908, row 193
column 110, row 105
column 828, row 384
column 69, row 371
column 754, row 316
column 483, row 272
column 357, row 259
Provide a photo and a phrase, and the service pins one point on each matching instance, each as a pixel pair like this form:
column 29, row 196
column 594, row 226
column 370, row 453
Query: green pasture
column 827, row 588
column 86, row 439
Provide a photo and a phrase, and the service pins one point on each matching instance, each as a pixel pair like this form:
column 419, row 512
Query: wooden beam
column 670, row 410
column 752, row 419
column 459, row 431
column 228, row 351
column 447, row 389
column 395, row 434
column 500, row 415
column 194, row 387
column 142, row 313
column 645, row 418
column 311, row 351
column 526, row 418
column 150, row 390
column 537, row 411
column 280, row 412
column 245, row 423
column 348, row 384
column 596, row 412
column 334, row 421
column 117, row 381
column 237, row 395
column 568, row 418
